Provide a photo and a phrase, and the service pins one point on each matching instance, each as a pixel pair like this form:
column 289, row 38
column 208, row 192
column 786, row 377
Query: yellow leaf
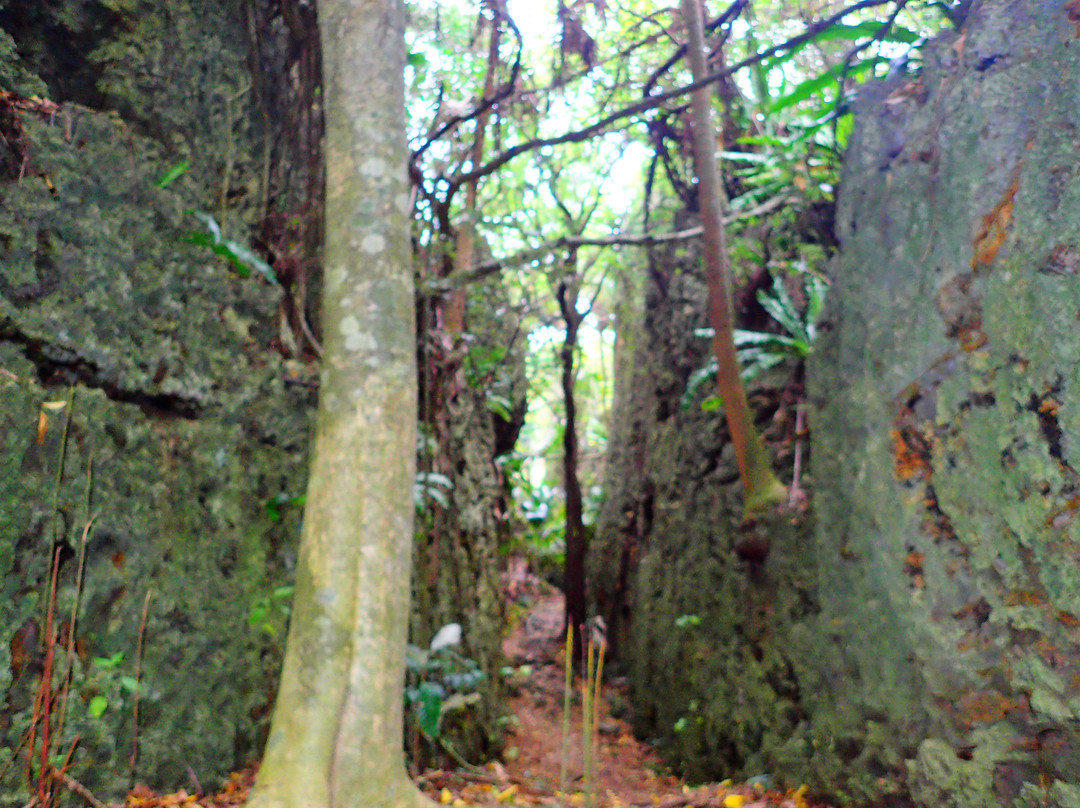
column 799, row 795
column 506, row 794
column 734, row 801
column 445, row 796
column 459, row 802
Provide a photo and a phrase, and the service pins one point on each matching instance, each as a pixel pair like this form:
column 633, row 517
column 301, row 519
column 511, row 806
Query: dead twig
column 138, row 685
column 74, row 786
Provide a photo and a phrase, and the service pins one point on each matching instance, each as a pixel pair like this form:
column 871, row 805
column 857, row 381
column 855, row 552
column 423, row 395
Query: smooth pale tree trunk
column 336, row 735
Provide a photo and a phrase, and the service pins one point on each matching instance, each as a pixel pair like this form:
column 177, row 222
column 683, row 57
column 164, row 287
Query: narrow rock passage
column 628, row 774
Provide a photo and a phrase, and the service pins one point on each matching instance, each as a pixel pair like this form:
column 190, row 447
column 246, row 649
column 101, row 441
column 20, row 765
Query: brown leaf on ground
column 628, row 774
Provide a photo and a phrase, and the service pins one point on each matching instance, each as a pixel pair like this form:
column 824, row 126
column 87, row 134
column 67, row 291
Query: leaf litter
column 629, row 774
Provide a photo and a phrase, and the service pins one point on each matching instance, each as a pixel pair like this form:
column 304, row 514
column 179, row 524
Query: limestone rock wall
column 918, row 645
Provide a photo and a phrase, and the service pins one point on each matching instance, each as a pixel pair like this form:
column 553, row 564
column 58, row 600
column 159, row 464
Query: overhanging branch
column 486, row 268
column 647, row 104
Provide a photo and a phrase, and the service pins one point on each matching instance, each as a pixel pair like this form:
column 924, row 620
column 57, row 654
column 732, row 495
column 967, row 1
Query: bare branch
column 601, row 126
column 487, row 103
column 483, row 270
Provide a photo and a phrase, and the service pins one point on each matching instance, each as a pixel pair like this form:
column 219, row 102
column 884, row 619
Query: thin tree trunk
column 465, row 243
column 576, row 542
column 761, row 489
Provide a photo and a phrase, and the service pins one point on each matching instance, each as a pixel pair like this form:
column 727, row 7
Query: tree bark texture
column 576, row 540
column 760, row 487
column 336, row 736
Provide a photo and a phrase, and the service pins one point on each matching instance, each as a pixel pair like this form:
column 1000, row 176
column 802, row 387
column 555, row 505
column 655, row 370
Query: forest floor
column 628, row 774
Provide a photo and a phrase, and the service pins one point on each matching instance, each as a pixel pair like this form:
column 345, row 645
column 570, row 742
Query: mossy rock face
column 699, row 606
column 181, row 429
column 192, row 420
column 461, row 542
column 946, row 425
column 919, row 645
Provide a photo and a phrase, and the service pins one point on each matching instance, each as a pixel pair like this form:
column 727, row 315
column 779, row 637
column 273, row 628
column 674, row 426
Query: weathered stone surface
column 181, row 405
column 921, row 646
column 478, row 407
column 701, row 634
column 183, row 420
column 192, row 419
column 946, row 424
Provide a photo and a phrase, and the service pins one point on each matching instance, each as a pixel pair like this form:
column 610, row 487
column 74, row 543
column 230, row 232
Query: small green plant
column 430, row 486
column 439, row 681
column 761, row 350
column 242, row 257
column 269, row 615
column 683, row 723
column 174, row 173
column 481, row 363
column 277, row 503
column 109, row 685
column 687, row 621
column 513, row 677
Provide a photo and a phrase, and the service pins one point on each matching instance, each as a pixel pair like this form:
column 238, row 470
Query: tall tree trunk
column 336, row 736
column 760, row 486
column 576, row 545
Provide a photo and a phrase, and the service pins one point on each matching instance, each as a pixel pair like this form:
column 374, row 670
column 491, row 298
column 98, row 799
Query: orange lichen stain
column 969, row 609
column 994, row 228
column 1024, row 597
column 911, row 454
column 1027, row 744
column 913, row 562
column 23, row 648
column 1049, row 405
column 971, row 339
column 1067, row 619
column 986, row 707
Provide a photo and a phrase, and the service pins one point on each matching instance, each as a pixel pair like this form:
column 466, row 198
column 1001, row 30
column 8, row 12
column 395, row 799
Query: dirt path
column 627, row 772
